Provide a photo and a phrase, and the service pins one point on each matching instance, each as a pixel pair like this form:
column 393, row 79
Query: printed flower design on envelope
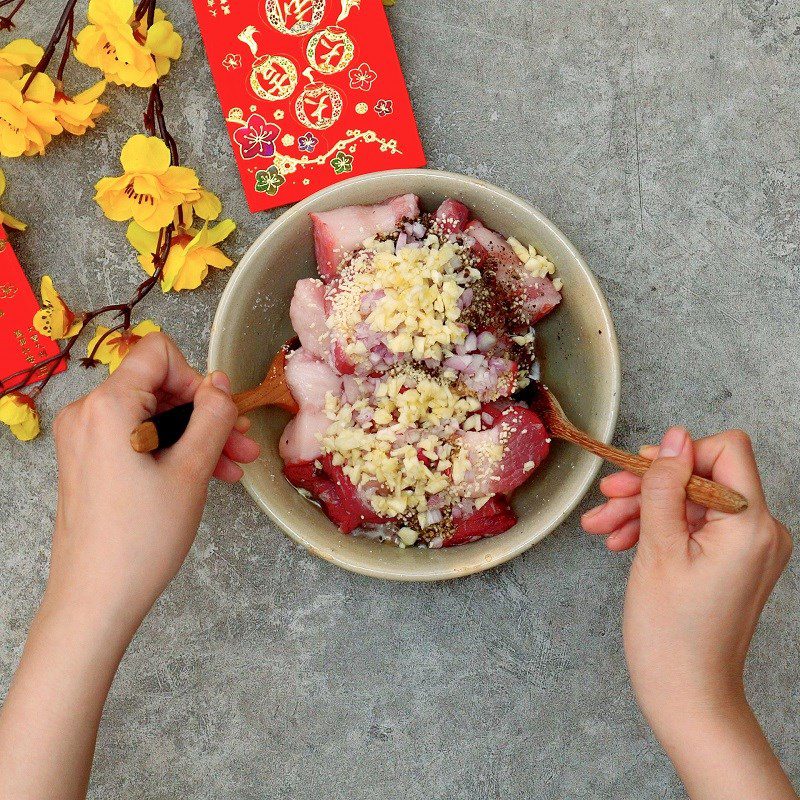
column 269, row 180
column 307, row 142
column 342, row 162
column 232, row 61
column 256, row 137
column 362, row 77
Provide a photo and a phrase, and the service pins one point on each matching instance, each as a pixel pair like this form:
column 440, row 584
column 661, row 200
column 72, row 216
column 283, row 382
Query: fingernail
column 593, row 512
column 221, row 381
column 672, row 443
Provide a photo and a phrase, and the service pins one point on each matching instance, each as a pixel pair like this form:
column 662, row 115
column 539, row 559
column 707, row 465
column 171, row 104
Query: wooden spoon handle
column 165, row 428
column 701, row 490
column 161, row 430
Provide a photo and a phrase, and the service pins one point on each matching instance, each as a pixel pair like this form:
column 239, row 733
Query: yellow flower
column 190, row 256
column 6, row 219
column 77, row 114
column 151, row 189
column 118, row 344
column 126, row 54
column 15, row 55
column 27, row 124
column 162, row 41
column 207, row 206
column 18, row 411
column 55, row 319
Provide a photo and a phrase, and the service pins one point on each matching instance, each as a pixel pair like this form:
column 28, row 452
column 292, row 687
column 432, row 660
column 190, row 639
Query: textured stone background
column 662, row 137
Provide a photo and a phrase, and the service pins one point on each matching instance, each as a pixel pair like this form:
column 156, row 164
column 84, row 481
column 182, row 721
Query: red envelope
column 311, row 91
column 21, row 345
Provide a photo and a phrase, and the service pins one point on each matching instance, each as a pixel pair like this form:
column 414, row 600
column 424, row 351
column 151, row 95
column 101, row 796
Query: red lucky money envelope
column 311, row 91
column 21, row 345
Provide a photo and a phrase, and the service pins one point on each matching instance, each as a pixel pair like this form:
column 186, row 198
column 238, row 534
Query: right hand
column 700, row 577
column 698, row 584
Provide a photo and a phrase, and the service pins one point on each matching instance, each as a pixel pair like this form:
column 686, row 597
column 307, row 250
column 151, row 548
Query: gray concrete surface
column 662, row 137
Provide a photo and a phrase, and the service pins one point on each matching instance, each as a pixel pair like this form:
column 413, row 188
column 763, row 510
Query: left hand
column 124, row 524
column 126, row 520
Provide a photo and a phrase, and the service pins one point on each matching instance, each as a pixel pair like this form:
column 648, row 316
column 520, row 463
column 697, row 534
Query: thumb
column 209, row 427
column 663, row 499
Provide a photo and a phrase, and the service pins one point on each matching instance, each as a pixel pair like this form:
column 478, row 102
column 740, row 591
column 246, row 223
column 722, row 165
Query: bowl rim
column 340, row 557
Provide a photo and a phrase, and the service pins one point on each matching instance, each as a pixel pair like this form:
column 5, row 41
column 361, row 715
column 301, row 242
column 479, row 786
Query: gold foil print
column 330, row 50
column 295, row 17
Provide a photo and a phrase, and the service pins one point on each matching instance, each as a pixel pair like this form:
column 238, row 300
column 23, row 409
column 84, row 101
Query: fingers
column 621, row 484
column 727, row 458
column 663, row 498
column 211, row 424
column 227, row 470
column 611, row 515
column 625, row 537
column 241, row 448
column 153, row 365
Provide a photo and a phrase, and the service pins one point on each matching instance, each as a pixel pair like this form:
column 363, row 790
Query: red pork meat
column 525, row 445
column 335, row 491
column 340, row 231
column 538, row 295
column 494, row 517
column 451, row 217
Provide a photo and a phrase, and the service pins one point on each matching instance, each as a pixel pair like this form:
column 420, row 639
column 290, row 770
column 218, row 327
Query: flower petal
column 147, row 155
column 144, row 242
column 162, row 40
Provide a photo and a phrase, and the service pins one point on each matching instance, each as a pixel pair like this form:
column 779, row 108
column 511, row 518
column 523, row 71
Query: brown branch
column 44, row 61
column 124, row 310
column 7, row 21
column 155, row 124
column 67, row 47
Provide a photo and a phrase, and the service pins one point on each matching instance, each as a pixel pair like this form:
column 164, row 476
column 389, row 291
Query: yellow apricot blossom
column 55, row 319
column 151, row 189
column 6, row 219
column 77, row 114
column 27, row 124
column 208, row 206
column 18, row 411
column 126, row 50
column 114, row 347
column 162, row 40
column 191, row 254
column 17, row 54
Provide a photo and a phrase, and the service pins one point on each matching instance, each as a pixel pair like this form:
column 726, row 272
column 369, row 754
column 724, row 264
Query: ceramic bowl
column 577, row 342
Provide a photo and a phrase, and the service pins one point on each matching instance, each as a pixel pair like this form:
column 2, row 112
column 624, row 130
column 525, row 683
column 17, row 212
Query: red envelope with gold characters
column 311, row 91
column 21, row 345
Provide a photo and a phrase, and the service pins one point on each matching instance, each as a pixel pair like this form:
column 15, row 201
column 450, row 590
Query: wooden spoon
column 164, row 429
column 701, row 490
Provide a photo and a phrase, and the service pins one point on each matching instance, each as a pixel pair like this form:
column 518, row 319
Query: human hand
column 698, row 583
column 124, row 524
column 125, row 521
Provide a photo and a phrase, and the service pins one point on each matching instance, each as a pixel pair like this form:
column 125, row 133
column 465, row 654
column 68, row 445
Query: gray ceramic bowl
column 581, row 365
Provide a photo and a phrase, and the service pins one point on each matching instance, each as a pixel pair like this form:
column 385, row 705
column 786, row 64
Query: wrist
column 681, row 721
column 78, row 621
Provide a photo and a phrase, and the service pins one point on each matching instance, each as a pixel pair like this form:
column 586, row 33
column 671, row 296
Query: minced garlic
column 533, row 262
column 418, row 310
column 377, row 451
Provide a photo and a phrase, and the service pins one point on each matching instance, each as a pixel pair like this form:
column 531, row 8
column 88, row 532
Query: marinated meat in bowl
column 414, row 340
